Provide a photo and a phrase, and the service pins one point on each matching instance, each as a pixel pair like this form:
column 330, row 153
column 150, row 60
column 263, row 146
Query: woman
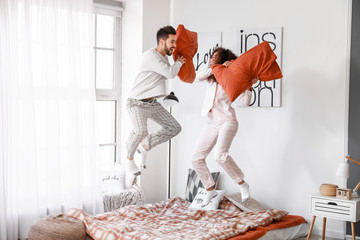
column 220, row 129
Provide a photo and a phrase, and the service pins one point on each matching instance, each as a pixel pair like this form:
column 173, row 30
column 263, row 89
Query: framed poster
column 207, row 43
column 264, row 94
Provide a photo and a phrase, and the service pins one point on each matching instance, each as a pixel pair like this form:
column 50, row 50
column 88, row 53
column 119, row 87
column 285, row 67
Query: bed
column 172, row 219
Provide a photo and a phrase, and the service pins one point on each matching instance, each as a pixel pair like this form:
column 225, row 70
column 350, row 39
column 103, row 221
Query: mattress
column 283, row 234
column 287, row 233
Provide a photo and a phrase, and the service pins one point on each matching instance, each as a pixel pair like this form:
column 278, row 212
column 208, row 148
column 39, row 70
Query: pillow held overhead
column 186, row 46
column 258, row 61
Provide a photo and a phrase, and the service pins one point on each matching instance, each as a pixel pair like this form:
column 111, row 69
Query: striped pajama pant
column 139, row 113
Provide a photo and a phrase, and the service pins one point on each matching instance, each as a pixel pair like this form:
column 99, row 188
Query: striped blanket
column 171, row 219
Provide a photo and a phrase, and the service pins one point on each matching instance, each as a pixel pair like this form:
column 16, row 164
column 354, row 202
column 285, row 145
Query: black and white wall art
column 265, row 94
column 207, row 43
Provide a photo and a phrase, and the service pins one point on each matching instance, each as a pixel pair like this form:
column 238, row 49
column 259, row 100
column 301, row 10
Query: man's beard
column 168, row 51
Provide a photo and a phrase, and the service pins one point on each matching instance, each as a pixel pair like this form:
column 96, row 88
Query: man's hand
column 181, row 59
column 227, row 63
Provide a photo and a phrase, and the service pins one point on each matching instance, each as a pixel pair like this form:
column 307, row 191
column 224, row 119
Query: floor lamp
column 169, row 101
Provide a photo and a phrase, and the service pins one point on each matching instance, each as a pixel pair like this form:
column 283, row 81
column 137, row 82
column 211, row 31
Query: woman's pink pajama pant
column 217, row 135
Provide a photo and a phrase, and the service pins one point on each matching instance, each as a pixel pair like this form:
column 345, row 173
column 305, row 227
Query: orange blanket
column 285, row 222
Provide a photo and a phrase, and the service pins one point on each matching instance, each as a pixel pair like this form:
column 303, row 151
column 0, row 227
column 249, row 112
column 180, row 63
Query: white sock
column 131, row 167
column 245, row 191
column 143, row 153
column 209, row 195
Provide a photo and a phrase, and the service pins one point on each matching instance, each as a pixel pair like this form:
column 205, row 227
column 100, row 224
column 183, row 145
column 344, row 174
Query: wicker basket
column 328, row 189
column 60, row 227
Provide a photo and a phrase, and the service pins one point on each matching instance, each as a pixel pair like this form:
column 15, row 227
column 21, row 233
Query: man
column 150, row 84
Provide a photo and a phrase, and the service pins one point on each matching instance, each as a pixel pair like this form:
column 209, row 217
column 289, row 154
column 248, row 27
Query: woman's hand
column 212, row 79
column 227, row 63
column 254, row 80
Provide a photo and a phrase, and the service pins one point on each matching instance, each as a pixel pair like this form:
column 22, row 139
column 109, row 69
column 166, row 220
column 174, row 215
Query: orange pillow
column 186, row 46
column 258, row 61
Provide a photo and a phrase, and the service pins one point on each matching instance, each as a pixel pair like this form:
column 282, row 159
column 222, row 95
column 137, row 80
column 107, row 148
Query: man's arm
column 164, row 69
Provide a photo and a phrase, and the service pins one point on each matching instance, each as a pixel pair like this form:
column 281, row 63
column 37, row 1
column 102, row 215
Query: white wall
column 286, row 153
column 142, row 19
column 132, row 50
column 153, row 179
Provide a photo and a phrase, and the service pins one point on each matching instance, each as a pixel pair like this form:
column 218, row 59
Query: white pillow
column 213, row 204
column 113, row 179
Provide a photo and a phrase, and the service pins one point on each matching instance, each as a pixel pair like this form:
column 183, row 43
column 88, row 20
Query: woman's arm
column 204, row 75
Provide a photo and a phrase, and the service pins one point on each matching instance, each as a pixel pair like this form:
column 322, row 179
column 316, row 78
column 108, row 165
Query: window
column 107, row 47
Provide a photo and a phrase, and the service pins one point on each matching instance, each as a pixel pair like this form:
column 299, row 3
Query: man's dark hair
column 224, row 55
column 164, row 32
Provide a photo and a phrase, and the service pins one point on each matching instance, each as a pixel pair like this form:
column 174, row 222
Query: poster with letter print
column 264, row 94
column 207, row 43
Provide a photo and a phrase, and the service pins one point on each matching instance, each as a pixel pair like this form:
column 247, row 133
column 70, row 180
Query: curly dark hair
column 224, row 55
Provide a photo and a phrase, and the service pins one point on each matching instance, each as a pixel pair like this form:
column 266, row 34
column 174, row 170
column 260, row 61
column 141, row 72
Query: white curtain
column 47, row 98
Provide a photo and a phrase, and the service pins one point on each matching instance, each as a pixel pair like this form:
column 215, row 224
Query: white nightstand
column 334, row 208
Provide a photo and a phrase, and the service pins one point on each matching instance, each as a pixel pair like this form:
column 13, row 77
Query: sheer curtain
column 47, row 99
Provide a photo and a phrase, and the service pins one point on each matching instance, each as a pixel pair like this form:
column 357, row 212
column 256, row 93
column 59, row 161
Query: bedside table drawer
column 333, row 209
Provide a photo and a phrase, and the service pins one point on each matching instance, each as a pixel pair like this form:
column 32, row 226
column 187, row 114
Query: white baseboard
column 329, row 234
column 350, row 237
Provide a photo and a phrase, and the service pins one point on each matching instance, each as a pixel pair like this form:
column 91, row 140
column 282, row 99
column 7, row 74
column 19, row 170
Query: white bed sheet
column 287, row 233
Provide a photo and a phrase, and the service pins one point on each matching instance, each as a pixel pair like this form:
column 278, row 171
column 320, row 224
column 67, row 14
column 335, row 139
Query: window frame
column 104, row 8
